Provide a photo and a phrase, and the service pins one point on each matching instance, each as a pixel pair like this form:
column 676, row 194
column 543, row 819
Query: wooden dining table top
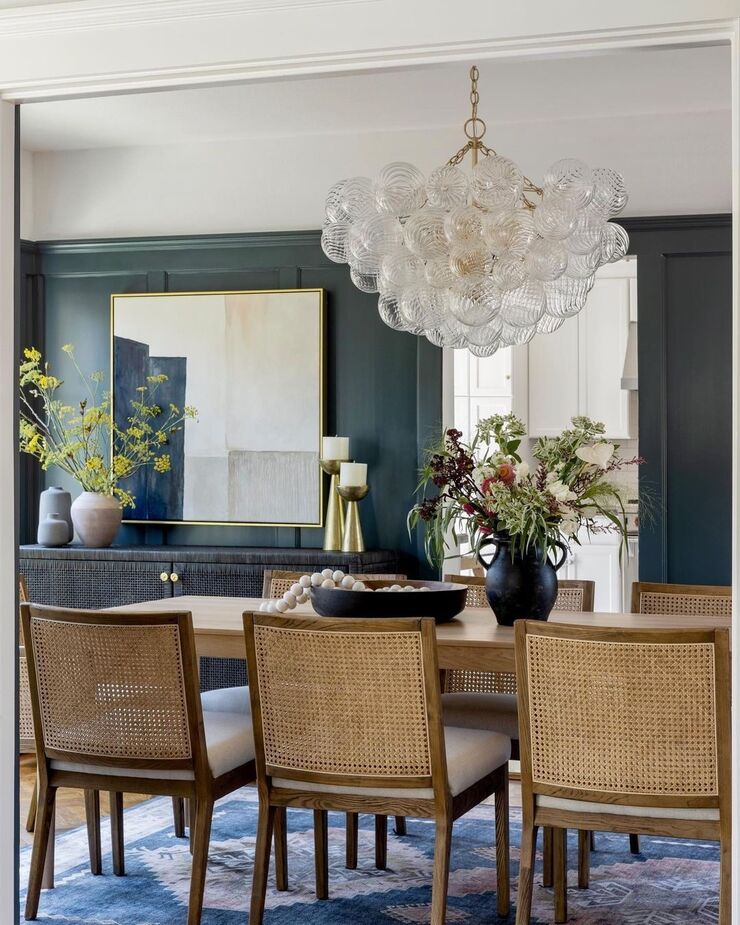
column 472, row 640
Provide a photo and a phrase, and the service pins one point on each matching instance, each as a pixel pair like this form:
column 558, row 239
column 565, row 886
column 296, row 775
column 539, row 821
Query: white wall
column 673, row 163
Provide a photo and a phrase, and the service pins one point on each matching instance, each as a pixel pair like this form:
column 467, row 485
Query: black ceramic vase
column 520, row 586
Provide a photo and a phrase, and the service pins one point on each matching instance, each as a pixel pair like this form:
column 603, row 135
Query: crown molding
column 98, row 14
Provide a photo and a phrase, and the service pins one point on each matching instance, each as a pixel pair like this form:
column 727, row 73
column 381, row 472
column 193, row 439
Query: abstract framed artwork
column 252, row 364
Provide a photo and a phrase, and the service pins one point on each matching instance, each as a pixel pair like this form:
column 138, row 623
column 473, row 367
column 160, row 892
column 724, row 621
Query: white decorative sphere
column 297, row 589
column 316, row 579
column 264, row 606
column 281, row 606
column 327, row 583
column 327, row 572
column 338, row 575
column 348, row 581
column 305, row 581
column 358, row 586
column 290, row 598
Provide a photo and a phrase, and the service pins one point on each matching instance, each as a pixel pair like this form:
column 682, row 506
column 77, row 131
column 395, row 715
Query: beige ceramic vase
column 96, row 518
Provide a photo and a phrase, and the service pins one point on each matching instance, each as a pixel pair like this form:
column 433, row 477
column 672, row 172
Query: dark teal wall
column 383, row 387
column 684, row 280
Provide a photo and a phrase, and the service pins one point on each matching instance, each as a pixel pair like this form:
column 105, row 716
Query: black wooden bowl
column 443, row 601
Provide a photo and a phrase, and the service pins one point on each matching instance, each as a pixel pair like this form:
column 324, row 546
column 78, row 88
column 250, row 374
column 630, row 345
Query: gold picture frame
column 268, row 301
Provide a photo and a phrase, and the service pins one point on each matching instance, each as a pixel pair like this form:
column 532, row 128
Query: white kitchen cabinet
column 597, row 559
column 578, row 369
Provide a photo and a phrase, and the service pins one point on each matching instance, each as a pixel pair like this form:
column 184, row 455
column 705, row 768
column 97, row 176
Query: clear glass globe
column 484, row 335
column 587, row 233
column 365, row 282
column 497, row 183
column 399, row 271
column 523, row 234
column 356, row 198
column 498, row 230
column 358, row 254
column 507, row 273
column 399, row 189
column 475, row 303
column 523, row 307
column 334, row 241
column 615, row 242
column 566, row 296
column 571, row 179
column 485, row 350
column 390, row 312
column 464, row 225
column 450, row 333
column 610, row 194
column 555, row 218
column 469, row 260
column 335, row 212
column 548, row 324
column 447, row 187
column 381, row 235
column 546, row 260
column 424, row 233
column 423, row 307
column 512, row 336
column 439, row 273
column 581, row 266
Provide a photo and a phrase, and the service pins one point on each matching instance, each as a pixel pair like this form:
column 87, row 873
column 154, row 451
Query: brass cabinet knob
column 163, row 576
column 174, row 577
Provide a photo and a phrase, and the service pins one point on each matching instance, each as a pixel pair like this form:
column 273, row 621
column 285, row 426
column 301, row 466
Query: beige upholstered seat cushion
column 643, row 812
column 496, row 712
column 472, row 754
column 226, row 700
column 229, row 740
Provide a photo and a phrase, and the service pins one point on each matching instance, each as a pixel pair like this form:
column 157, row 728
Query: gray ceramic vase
column 56, row 500
column 53, row 531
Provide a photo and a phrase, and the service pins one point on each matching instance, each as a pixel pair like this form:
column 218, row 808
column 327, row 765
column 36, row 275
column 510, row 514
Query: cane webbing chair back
column 276, row 582
column 25, row 712
column 618, row 716
column 691, row 600
column 347, row 702
column 119, row 688
column 572, row 596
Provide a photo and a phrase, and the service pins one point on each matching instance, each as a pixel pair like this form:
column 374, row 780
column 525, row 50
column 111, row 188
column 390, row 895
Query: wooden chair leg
column 352, row 837
column 321, row 849
column 560, row 873
column 381, row 842
column 31, row 817
column 442, row 847
column 725, row 881
column 280, row 835
column 41, row 838
column 584, row 859
column 265, row 823
column 47, row 881
column 547, row 856
column 592, row 841
column 92, row 817
column 116, row 833
column 503, row 886
column 201, row 827
column 634, row 844
column 178, row 814
column 526, row 873
column 401, row 825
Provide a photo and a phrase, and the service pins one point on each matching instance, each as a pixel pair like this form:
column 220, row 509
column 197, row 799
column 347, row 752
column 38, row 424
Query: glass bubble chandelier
column 483, row 260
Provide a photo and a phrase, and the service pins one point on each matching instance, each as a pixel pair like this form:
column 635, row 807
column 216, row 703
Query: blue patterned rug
column 672, row 882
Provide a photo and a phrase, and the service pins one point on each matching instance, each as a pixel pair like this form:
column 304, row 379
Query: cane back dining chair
column 622, row 731
column 116, row 706
column 361, row 731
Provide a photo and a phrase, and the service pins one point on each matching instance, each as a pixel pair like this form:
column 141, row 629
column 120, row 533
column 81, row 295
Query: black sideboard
column 74, row 576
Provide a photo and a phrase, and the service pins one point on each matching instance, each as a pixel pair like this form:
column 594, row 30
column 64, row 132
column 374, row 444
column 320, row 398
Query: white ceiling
column 631, row 83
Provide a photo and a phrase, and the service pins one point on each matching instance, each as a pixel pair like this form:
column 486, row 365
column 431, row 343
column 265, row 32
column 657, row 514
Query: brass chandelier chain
column 475, row 129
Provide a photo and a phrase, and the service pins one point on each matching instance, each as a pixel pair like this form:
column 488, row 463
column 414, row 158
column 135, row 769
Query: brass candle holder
column 352, row 540
column 334, row 523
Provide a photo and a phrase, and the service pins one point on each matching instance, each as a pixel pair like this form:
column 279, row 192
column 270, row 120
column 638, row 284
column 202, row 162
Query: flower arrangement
column 84, row 440
column 486, row 488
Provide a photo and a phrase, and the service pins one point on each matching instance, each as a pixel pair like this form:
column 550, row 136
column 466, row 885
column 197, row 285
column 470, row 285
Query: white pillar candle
column 352, row 475
column 335, row 448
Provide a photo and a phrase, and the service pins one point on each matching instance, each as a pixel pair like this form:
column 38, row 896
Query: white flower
column 560, row 491
column 550, row 478
column 522, row 471
column 569, row 526
column 598, row 454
